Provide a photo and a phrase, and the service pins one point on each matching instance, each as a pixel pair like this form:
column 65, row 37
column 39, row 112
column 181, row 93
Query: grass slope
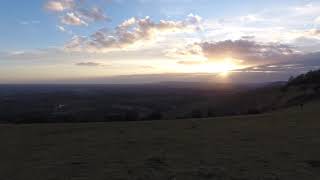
column 282, row 145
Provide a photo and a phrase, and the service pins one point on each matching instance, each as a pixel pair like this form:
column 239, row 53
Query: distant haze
column 233, row 78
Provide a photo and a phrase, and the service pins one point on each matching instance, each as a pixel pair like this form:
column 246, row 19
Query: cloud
column 92, row 15
column 250, row 18
column 59, row 5
column 72, row 19
column 248, row 37
column 90, row 64
column 315, row 32
column 307, row 9
column 307, row 41
column 61, row 28
column 189, row 51
column 132, row 32
column 245, row 51
column 146, row 67
column 76, row 43
column 189, row 62
column 277, row 24
column 297, row 64
column 64, row 30
column 30, row 22
column 75, row 12
column 317, row 20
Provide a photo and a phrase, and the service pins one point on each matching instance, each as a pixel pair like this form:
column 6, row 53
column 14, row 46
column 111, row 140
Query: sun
column 223, row 67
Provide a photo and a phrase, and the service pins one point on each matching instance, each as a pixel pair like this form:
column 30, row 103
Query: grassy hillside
column 280, row 145
column 301, row 89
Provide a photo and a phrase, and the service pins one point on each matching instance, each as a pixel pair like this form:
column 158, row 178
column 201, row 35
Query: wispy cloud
column 92, row 15
column 61, row 28
column 90, row 64
column 190, row 62
column 72, row 19
column 29, row 22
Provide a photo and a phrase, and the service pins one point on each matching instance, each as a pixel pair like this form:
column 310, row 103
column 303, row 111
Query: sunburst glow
column 223, row 67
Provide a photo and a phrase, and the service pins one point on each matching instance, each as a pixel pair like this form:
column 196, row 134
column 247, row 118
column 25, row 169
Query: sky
column 132, row 41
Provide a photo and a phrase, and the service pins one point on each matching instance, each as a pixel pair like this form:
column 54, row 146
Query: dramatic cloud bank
column 246, row 52
column 249, row 51
column 131, row 32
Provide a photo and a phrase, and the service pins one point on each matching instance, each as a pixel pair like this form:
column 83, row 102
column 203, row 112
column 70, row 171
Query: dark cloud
column 296, row 64
column 307, row 44
column 260, row 57
column 249, row 51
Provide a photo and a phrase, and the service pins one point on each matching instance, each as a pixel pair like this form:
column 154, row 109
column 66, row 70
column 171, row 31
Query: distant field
column 279, row 146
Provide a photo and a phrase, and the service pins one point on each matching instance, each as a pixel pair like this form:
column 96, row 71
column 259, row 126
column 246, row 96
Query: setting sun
column 222, row 67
